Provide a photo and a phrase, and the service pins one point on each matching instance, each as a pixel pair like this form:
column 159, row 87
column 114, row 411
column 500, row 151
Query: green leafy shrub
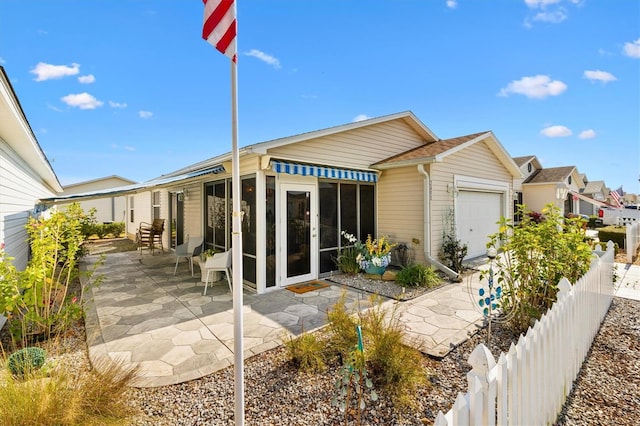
column 36, row 301
column 417, row 275
column 26, row 360
column 537, row 253
column 617, row 234
column 115, row 229
column 306, row 352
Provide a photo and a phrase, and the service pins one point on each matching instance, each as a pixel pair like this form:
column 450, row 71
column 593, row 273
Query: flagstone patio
column 141, row 314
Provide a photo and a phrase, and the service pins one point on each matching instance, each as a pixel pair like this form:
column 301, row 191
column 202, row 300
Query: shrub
column 36, row 300
column 306, row 352
column 395, row 367
column 115, row 229
column 342, row 328
column 537, row 254
column 617, row 234
column 26, row 360
column 417, row 275
column 96, row 397
column 453, row 251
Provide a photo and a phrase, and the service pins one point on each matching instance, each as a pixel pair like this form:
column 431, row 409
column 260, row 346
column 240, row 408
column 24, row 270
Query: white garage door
column 476, row 217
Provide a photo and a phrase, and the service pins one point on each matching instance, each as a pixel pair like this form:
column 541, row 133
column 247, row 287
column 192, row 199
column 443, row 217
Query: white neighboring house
column 108, row 209
column 26, row 176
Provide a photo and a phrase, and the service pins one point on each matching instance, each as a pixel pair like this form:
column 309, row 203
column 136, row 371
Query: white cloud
column 540, row 3
column 587, row 134
column 537, row 87
column 554, row 17
column 82, row 101
column 54, row 108
column 452, row 4
column 87, row 79
column 360, row 117
column 556, row 132
column 598, row 75
column 49, row 72
column 145, row 114
column 271, row 60
column 632, row 49
column 113, row 104
column 129, row 148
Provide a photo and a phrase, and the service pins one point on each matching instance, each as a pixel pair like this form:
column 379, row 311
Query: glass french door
column 299, row 240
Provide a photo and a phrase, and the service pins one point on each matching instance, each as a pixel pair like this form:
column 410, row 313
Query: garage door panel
column 477, row 214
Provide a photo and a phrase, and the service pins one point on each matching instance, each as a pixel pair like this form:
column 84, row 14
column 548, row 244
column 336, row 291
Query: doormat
column 308, row 286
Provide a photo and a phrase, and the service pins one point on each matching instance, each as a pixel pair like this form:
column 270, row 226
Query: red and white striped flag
column 616, row 197
column 219, row 26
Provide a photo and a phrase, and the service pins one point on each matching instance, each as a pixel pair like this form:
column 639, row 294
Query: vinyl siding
column 401, row 208
column 475, row 161
column 20, row 190
column 535, row 197
column 353, row 149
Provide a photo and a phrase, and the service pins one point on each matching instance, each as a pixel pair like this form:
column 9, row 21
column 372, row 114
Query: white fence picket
column 502, row 390
column 633, row 240
column 530, row 383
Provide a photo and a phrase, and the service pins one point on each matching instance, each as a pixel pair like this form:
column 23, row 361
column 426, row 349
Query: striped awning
column 323, row 171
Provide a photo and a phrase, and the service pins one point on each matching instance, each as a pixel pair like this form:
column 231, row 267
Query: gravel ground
column 607, row 390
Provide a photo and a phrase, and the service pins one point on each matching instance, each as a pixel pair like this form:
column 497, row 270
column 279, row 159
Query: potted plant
column 207, row 253
column 201, row 259
column 375, row 255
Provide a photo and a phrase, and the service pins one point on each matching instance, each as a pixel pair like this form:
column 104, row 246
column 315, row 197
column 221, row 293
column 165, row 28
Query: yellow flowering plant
column 376, row 252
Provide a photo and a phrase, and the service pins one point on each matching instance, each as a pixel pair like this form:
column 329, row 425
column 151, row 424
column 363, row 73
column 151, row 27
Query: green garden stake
column 360, row 344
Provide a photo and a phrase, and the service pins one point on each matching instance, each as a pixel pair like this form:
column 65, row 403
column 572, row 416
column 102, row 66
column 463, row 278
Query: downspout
column 427, row 228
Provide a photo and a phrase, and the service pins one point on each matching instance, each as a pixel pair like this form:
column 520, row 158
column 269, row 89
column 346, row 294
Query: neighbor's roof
column 552, row 174
column 593, row 186
column 520, row 161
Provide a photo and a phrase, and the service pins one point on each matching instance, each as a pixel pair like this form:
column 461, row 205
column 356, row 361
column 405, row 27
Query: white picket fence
column 620, row 217
column 633, row 240
column 529, row 384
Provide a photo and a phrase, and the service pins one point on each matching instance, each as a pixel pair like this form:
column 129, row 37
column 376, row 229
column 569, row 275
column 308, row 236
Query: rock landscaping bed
column 606, row 392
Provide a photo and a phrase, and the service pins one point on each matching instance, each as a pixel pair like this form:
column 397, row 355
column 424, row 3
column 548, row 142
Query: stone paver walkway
column 143, row 315
column 628, row 281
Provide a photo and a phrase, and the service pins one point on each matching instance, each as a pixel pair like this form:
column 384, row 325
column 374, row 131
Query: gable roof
column 551, row 175
column 17, row 133
column 594, row 186
column 521, row 161
column 124, row 181
column 406, row 116
column 437, row 151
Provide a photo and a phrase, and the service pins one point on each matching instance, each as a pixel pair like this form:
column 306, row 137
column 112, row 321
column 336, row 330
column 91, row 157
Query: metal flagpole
column 236, row 245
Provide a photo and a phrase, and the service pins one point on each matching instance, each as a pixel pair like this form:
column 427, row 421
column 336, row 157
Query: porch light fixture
column 561, row 191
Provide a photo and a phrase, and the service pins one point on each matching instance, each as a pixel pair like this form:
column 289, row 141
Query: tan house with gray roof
column 555, row 185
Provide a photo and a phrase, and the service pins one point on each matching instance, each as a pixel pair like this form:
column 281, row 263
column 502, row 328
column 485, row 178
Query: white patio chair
column 219, row 262
column 186, row 250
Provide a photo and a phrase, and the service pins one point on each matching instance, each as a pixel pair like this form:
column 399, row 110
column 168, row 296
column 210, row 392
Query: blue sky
column 130, row 88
